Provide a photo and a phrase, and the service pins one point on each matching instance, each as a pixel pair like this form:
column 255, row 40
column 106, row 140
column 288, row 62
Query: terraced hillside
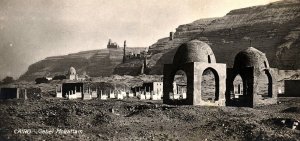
column 273, row 29
column 94, row 63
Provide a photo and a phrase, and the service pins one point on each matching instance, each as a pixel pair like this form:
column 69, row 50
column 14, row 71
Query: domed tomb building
column 193, row 59
column 72, row 74
column 251, row 82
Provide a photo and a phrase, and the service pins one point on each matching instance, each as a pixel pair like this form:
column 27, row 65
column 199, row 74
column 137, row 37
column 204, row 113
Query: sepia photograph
column 149, row 70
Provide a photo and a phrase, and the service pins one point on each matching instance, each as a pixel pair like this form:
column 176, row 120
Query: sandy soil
column 131, row 119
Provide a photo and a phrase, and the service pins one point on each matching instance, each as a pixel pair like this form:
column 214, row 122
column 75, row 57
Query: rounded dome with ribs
column 251, row 57
column 72, row 71
column 194, row 51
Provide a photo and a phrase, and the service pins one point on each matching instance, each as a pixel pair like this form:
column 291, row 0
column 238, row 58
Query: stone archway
column 237, row 90
column 210, row 85
column 179, row 86
column 265, row 84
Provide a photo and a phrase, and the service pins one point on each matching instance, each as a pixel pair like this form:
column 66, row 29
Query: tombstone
column 94, row 94
column 87, row 96
column 148, row 95
column 112, row 94
column 130, row 94
column 184, row 95
column 72, row 95
column 138, row 94
column 59, row 91
column 78, row 93
column 123, row 94
column 120, row 96
column 142, row 96
column 103, row 97
column 171, row 95
column 176, row 96
column 154, row 97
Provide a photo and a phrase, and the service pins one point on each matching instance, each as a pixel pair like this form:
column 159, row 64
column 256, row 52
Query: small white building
column 72, row 75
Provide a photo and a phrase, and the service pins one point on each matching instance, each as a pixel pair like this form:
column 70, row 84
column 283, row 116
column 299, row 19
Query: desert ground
column 132, row 119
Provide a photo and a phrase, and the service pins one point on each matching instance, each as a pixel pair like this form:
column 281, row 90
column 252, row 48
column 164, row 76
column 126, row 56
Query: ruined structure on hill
column 112, row 44
column 134, row 59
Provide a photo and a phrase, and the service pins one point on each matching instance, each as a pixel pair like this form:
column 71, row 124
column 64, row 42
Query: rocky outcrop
column 272, row 28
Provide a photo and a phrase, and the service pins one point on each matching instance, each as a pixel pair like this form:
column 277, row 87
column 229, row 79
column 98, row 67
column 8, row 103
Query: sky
column 31, row 30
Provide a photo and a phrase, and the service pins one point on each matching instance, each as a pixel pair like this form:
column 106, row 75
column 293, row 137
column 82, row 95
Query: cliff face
column 273, row 29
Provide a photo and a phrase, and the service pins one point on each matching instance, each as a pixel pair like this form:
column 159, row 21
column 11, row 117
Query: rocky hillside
column 93, row 63
column 273, row 29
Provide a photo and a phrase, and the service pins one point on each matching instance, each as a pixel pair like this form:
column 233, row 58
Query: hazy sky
column 31, row 30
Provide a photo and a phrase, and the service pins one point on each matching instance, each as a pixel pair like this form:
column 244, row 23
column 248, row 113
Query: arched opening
column 209, row 60
column 210, row 85
column 265, row 84
column 238, row 88
column 179, row 86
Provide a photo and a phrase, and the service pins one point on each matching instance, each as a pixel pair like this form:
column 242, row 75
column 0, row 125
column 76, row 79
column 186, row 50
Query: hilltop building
column 112, row 44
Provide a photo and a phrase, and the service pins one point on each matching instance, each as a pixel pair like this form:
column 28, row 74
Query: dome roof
column 194, row 51
column 72, row 70
column 251, row 57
